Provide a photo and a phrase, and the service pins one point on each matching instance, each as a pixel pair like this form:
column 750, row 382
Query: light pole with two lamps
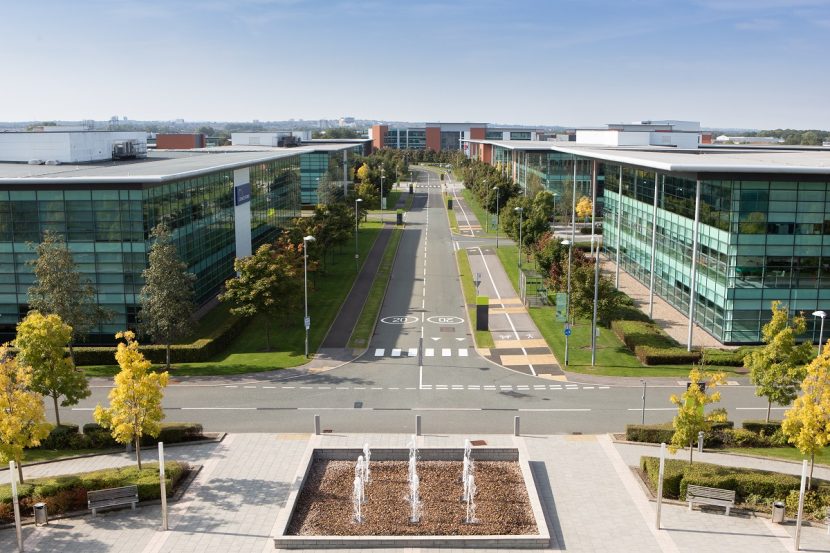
column 821, row 314
column 520, row 211
column 381, row 195
column 306, row 320
column 356, row 255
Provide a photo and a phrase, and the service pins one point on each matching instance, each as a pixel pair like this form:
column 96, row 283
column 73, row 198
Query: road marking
column 393, row 388
column 413, row 352
column 657, row 409
column 457, row 387
column 230, row 386
column 426, row 386
column 474, row 387
column 410, row 388
column 604, row 387
column 323, row 388
column 760, row 408
column 268, row 387
column 554, row 410
column 396, row 352
column 306, row 387
column 506, row 387
column 375, row 388
column 379, row 352
column 343, row 388
column 488, row 387
column 89, row 408
column 446, row 352
column 462, row 352
column 587, row 387
column 288, row 387
column 249, row 387
column 429, row 352
column 539, row 387
column 218, row 408
column 441, row 387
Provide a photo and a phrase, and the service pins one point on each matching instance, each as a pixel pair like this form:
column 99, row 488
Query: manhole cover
column 478, row 442
column 447, row 329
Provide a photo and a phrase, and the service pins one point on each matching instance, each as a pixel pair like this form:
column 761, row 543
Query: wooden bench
column 710, row 496
column 112, row 497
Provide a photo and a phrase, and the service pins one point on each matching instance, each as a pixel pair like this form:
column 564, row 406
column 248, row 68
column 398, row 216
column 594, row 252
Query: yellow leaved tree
column 807, row 424
column 584, row 208
column 135, row 401
column 363, row 173
column 691, row 418
column 22, row 415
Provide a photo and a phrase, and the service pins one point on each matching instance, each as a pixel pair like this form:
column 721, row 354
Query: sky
column 726, row 63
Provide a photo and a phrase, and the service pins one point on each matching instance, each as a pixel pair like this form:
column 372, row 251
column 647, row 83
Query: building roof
column 702, row 160
column 159, row 166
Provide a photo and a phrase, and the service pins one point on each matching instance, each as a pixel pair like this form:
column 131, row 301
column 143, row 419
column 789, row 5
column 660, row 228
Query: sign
column 561, row 307
column 307, row 321
column 445, row 320
column 383, row 203
column 477, row 281
column 399, row 320
column 242, row 194
column 567, row 331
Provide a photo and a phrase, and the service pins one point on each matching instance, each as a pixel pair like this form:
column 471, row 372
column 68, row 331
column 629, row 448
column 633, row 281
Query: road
column 421, row 361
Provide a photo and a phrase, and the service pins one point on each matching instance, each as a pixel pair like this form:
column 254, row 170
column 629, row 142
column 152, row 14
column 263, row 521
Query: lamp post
column 570, row 244
column 306, row 321
column 555, row 195
column 381, row 195
column 821, row 314
column 496, row 188
column 520, row 211
column 356, row 255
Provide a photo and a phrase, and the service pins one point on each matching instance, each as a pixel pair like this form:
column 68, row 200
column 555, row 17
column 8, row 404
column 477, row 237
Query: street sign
column 567, row 329
column 561, row 307
column 307, row 321
column 477, row 281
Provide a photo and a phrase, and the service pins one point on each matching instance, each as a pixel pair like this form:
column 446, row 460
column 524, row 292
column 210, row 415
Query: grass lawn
column 785, row 453
column 484, row 219
column 368, row 316
column 483, row 338
column 247, row 354
column 612, row 359
column 453, row 221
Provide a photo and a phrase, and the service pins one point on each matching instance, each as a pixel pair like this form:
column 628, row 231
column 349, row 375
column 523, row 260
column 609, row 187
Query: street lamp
column 381, row 195
column 821, row 314
column 568, row 302
column 306, row 321
column 356, row 255
column 555, row 195
column 496, row 188
column 520, row 211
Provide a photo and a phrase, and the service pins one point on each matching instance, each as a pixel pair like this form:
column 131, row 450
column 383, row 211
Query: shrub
column 762, row 427
column 743, row 438
column 99, row 437
column 672, row 475
column 727, row 357
column 649, row 433
column 59, row 437
column 651, row 344
column 171, row 433
column 649, row 355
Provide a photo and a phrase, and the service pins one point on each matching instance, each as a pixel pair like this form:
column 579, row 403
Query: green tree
column 270, row 283
column 807, row 423
column 609, row 298
column 778, row 368
column 135, row 400
column 22, row 416
column 690, row 418
column 166, row 298
column 60, row 289
column 41, row 343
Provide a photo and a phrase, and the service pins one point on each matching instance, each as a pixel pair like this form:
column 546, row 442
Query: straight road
column 422, row 361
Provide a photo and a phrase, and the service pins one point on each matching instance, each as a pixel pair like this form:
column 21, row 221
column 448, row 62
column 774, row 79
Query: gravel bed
column 324, row 507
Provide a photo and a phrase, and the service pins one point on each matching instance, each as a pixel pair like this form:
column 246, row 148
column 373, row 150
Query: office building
column 444, row 136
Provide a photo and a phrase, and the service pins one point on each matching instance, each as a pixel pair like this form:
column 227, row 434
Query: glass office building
column 756, row 222
column 106, row 213
column 322, row 167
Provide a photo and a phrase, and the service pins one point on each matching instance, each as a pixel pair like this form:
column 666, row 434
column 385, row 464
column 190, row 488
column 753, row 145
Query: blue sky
column 725, row 63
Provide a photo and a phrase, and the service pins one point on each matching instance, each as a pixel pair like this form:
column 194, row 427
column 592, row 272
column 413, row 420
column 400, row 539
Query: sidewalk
column 592, row 500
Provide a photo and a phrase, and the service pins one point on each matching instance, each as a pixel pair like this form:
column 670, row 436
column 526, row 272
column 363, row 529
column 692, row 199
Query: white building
column 678, row 134
column 267, row 138
column 71, row 146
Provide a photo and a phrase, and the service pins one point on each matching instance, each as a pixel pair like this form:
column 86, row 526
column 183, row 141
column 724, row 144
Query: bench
column 112, row 497
column 710, row 496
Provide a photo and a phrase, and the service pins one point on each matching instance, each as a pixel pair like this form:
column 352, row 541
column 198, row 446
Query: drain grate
column 478, row 442
column 447, row 329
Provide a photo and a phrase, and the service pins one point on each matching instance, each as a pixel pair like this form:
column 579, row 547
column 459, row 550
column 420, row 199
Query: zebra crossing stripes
column 428, row 352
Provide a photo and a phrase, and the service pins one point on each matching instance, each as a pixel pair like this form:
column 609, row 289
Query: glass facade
column 406, row 139
column 321, row 167
column 107, row 231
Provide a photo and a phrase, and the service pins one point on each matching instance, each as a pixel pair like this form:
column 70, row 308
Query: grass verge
column 484, row 218
column 783, row 453
column 369, row 315
column 41, row 455
column 247, row 353
column 483, row 338
column 612, row 357
column 453, row 220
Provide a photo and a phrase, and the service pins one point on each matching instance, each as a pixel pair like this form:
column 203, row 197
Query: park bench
column 112, row 497
column 710, row 496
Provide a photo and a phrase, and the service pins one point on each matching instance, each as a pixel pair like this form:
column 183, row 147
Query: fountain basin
column 508, row 506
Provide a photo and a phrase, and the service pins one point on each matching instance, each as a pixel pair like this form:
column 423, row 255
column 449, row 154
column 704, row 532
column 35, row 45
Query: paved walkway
column 592, row 500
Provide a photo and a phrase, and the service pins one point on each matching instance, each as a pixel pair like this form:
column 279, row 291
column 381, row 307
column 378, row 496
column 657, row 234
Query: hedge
column 199, row 351
column 171, row 433
column 728, row 358
column 760, row 426
column 68, row 493
column 759, row 488
column 651, row 344
column 662, row 433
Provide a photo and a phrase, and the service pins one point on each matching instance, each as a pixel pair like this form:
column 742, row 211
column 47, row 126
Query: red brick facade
column 180, row 141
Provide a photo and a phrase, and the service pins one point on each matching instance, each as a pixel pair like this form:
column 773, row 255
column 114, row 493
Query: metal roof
column 702, row 160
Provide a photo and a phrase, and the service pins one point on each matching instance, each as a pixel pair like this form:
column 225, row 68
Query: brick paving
column 592, row 500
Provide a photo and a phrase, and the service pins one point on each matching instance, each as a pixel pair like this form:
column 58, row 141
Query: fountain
column 367, row 478
column 414, row 499
column 360, row 472
column 470, row 488
column 357, row 500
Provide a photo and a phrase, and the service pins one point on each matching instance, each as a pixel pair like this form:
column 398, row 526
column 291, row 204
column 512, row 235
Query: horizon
column 730, row 64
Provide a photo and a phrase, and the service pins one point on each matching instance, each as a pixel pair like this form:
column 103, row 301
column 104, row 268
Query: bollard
column 417, row 425
column 516, row 426
column 316, row 425
column 700, row 442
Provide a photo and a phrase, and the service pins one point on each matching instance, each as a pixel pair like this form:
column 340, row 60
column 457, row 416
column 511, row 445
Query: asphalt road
column 421, row 361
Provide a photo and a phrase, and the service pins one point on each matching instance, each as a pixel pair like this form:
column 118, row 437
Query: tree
column 807, row 423
column 584, row 208
column 270, row 282
column 691, row 419
column 135, row 401
column 778, row 368
column 363, row 173
column 60, row 289
column 41, row 342
column 167, row 295
column 582, row 294
column 22, row 416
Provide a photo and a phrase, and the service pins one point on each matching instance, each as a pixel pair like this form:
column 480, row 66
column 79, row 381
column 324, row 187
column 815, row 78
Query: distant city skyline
column 726, row 63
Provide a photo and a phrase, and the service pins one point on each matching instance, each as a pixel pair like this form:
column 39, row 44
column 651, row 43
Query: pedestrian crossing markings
column 428, row 352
